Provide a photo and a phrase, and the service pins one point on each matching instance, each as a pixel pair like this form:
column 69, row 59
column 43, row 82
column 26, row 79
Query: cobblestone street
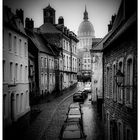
column 49, row 112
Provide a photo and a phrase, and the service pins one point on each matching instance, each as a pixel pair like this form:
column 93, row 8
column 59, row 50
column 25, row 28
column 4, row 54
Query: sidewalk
column 38, row 122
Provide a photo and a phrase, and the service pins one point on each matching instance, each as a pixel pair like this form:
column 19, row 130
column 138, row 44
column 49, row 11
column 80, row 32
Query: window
column 107, row 81
column 114, row 85
column 4, row 70
column 67, row 61
column 42, row 79
column 25, row 49
column 10, row 42
column 120, row 89
column 129, row 80
column 17, row 103
column 42, row 63
column 16, row 72
column 85, row 61
column 26, row 73
column 15, row 44
column 108, row 125
column 129, row 135
column 20, row 49
column 45, row 62
column 120, row 130
column 11, row 71
column 46, row 80
column 21, row 73
column 64, row 44
column 50, row 79
column 22, row 103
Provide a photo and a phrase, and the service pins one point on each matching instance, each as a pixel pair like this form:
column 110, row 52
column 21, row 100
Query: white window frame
column 128, row 128
column 131, row 91
column 121, row 131
column 108, row 81
column 114, row 85
column 120, row 89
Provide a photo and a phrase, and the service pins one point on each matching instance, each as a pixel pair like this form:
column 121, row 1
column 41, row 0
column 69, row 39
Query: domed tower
column 85, row 32
column 85, row 35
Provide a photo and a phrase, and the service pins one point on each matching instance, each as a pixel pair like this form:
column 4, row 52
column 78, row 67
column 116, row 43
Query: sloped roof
column 99, row 46
column 49, row 28
column 120, row 24
column 39, row 42
column 12, row 20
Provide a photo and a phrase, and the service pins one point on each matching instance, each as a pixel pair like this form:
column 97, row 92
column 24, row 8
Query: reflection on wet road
column 92, row 128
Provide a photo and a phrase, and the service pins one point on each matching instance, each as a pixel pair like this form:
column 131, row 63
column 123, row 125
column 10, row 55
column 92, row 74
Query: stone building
column 66, row 41
column 15, row 69
column 120, row 75
column 86, row 36
column 43, row 66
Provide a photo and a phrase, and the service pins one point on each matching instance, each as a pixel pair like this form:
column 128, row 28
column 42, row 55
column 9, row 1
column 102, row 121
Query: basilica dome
column 86, row 28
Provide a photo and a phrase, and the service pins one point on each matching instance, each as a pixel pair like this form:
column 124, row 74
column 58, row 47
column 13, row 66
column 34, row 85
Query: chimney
column 20, row 15
column 29, row 23
column 109, row 27
column 61, row 20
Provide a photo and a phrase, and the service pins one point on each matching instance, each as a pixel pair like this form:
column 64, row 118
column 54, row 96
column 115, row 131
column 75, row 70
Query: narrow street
column 92, row 126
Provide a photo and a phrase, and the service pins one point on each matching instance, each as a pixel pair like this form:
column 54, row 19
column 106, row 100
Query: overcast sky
column 99, row 12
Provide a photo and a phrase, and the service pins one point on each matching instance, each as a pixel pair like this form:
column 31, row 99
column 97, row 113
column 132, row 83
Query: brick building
column 120, row 53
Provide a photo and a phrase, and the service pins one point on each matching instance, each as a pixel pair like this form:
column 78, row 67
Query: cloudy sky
column 99, row 12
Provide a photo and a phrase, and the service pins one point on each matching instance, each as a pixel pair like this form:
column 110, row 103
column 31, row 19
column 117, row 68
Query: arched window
column 17, row 103
column 107, row 80
column 128, row 133
column 120, row 89
column 129, row 81
column 16, row 72
column 20, row 45
column 108, row 125
column 120, row 130
column 15, row 44
column 114, row 85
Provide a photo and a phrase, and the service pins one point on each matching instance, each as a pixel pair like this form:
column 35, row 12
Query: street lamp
column 119, row 78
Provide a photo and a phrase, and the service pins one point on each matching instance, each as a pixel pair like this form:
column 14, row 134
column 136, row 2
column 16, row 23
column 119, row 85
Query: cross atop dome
column 85, row 14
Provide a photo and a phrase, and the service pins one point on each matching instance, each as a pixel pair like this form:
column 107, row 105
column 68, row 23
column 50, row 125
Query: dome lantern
column 85, row 14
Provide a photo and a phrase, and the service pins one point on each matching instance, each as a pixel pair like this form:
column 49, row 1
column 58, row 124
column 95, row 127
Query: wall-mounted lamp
column 119, row 78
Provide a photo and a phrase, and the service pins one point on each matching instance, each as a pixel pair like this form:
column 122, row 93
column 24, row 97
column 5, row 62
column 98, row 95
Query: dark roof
column 49, row 8
column 39, row 42
column 99, row 46
column 122, row 22
column 12, row 21
column 49, row 28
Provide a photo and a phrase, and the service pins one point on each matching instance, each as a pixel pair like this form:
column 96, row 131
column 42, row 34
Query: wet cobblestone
column 42, row 121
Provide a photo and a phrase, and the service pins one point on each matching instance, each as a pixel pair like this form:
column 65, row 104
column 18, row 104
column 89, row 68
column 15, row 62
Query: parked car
column 88, row 89
column 74, row 113
column 85, row 93
column 71, row 131
column 78, row 97
column 75, row 105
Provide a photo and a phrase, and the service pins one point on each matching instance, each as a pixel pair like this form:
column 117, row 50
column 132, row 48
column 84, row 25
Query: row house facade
column 120, row 60
column 66, row 42
column 15, row 69
column 44, row 66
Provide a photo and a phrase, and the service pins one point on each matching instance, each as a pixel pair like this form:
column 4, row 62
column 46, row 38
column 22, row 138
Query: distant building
column 86, row 36
column 15, row 69
column 120, row 57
